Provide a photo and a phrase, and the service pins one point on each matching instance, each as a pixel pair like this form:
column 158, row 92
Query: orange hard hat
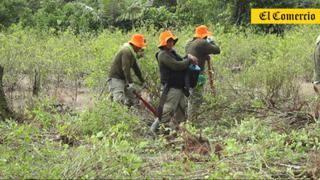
column 202, row 32
column 138, row 40
column 165, row 36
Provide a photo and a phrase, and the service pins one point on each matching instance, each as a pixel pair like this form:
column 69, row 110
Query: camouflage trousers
column 194, row 102
column 317, row 104
column 174, row 106
column 120, row 93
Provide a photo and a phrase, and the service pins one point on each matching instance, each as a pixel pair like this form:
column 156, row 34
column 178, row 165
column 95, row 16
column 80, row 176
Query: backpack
column 192, row 75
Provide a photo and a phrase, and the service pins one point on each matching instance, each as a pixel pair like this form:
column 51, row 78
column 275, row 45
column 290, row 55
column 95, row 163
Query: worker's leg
column 117, row 88
column 170, row 105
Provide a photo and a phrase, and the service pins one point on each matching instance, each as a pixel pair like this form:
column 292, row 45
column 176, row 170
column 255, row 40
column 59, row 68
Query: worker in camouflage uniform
column 201, row 46
column 120, row 81
column 316, row 82
column 172, row 76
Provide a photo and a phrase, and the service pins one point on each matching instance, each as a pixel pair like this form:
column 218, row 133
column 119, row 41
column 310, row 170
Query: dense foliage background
column 95, row 15
column 56, row 56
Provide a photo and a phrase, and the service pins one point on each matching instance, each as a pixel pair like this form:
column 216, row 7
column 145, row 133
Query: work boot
column 155, row 126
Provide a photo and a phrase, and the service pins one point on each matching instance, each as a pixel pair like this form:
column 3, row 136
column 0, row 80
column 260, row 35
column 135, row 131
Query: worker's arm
column 209, row 47
column 126, row 66
column 172, row 63
column 137, row 71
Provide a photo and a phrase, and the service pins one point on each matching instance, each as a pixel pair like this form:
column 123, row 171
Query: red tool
column 146, row 104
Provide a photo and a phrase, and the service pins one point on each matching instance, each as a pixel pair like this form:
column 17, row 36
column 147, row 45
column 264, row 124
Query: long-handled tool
column 155, row 125
column 210, row 75
column 146, row 104
column 155, row 112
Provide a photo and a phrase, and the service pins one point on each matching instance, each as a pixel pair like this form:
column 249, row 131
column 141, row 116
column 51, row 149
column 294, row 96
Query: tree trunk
column 36, row 83
column 241, row 11
column 5, row 111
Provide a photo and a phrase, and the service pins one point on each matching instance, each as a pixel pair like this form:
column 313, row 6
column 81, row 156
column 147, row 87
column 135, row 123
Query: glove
column 194, row 67
column 131, row 87
column 210, row 40
column 193, row 59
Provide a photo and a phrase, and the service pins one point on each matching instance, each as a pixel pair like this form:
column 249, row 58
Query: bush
column 107, row 117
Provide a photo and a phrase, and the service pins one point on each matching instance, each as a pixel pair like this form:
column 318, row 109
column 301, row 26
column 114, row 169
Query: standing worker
column 201, row 46
column 173, row 70
column 316, row 82
column 120, row 81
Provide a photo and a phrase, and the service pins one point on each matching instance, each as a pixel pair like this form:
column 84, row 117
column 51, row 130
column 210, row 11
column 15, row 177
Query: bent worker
column 172, row 76
column 121, row 84
column 201, row 46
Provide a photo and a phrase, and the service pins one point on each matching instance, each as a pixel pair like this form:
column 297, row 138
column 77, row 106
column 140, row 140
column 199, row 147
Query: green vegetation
column 95, row 15
column 259, row 125
column 259, row 117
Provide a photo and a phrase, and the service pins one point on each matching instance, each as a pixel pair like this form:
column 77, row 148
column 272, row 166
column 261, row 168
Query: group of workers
column 176, row 72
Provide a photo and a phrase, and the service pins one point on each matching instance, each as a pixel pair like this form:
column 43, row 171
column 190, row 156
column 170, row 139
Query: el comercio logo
column 285, row 16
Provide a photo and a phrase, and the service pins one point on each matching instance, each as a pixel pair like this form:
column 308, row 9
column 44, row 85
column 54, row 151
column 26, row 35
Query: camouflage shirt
column 317, row 63
column 124, row 60
column 172, row 68
column 201, row 49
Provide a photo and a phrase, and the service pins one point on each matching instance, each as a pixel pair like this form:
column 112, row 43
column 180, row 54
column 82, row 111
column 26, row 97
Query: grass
column 256, row 125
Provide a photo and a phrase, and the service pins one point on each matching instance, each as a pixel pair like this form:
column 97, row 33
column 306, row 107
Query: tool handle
column 146, row 104
column 210, row 75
